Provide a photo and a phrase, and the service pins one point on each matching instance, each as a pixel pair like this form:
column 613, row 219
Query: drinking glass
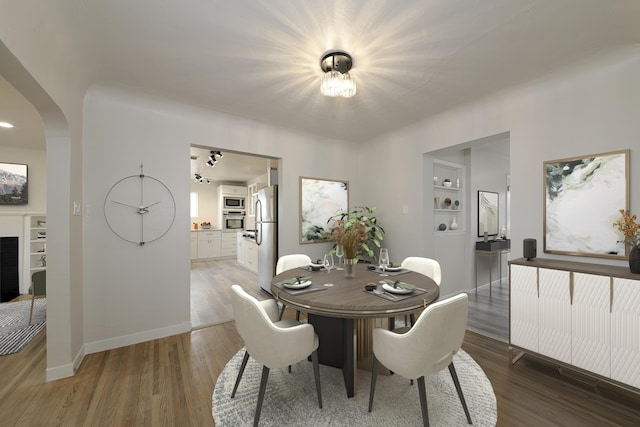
column 328, row 262
column 383, row 260
column 339, row 254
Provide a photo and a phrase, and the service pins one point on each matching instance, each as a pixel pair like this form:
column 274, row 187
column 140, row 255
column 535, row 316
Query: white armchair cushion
column 429, row 345
column 274, row 344
column 287, row 262
column 427, row 266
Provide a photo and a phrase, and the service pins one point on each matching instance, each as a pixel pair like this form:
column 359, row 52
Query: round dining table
column 344, row 313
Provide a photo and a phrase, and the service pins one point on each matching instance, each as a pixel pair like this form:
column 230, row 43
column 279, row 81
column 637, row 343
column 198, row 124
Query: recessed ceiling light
column 6, row 125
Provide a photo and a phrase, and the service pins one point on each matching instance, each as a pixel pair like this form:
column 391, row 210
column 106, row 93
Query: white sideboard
column 580, row 315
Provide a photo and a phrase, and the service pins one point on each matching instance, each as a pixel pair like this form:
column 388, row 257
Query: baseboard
column 123, row 341
column 59, row 372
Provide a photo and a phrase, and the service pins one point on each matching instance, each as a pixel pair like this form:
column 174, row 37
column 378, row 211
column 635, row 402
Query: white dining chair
column 427, row 266
column 273, row 343
column 428, row 347
column 287, row 262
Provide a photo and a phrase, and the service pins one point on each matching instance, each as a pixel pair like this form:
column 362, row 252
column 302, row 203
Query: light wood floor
column 169, row 382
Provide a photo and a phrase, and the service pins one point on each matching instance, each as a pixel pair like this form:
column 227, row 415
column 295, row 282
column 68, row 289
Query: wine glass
column 383, row 260
column 339, row 254
column 328, row 262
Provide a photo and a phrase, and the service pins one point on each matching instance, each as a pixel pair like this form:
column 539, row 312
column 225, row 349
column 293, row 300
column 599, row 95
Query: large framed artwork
column 488, row 203
column 13, row 184
column 320, row 199
column 582, row 199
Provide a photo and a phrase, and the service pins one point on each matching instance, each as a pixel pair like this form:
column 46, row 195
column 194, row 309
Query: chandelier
column 337, row 81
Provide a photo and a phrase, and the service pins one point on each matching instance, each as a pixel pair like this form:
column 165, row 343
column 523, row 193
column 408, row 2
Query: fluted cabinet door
column 625, row 332
column 554, row 314
column 524, row 307
column 591, row 323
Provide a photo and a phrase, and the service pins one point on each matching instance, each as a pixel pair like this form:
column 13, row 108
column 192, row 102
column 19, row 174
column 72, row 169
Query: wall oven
column 233, row 202
column 232, row 221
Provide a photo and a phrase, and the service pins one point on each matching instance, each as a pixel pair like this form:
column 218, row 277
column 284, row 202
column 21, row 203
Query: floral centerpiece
column 631, row 231
column 359, row 232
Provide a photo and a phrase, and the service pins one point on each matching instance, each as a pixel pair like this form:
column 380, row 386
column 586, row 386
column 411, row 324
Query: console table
column 578, row 315
column 490, row 249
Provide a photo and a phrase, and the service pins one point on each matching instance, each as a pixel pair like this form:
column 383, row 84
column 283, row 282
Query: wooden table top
column 347, row 297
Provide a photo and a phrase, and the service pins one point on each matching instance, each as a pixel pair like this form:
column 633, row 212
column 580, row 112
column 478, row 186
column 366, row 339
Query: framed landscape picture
column 319, row 200
column 582, row 199
column 13, row 184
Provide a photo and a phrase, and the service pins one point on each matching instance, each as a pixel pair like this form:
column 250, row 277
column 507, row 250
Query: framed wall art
column 319, row 200
column 488, row 204
column 13, row 184
column 582, row 199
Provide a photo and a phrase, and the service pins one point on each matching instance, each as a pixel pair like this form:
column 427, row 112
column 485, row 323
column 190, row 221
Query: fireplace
column 9, row 280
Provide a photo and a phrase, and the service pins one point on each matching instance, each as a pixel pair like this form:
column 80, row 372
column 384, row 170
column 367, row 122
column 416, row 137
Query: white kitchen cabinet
column 240, row 246
column 229, row 245
column 194, row 245
column 554, row 314
column 591, row 323
column 250, row 255
column 209, row 244
column 233, row 190
column 524, row 301
column 625, row 331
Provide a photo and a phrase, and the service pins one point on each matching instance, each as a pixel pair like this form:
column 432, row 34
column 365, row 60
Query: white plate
column 393, row 290
column 316, row 265
column 297, row 285
column 393, row 268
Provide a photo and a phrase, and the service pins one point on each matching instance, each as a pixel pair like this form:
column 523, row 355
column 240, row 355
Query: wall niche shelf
column 448, row 201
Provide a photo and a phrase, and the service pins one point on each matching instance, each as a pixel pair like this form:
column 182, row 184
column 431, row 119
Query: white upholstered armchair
column 428, row 347
column 275, row 344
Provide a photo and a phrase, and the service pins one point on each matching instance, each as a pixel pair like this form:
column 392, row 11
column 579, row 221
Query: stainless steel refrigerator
column 266, row 210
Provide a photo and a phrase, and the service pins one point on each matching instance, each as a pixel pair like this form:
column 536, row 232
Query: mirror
column 487, row 213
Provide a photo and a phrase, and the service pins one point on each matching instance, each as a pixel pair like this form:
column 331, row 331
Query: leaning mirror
column 487, row 213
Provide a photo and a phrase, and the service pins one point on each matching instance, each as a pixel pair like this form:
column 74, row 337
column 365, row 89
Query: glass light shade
column 347, row 85
column 331, row 84
column 335, row 83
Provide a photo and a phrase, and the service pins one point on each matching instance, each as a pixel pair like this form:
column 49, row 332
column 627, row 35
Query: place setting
column 393, row 290
column 386, row 267
column 299, row 285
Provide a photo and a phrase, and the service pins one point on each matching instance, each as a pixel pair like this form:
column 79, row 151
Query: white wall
column 134, row 293
column 590, row 108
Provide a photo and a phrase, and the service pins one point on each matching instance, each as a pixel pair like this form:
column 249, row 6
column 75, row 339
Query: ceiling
column 260, row 58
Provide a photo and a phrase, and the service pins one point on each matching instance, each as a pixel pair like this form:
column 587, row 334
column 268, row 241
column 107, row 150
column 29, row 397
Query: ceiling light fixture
column 6, row 125
column 213, row 158
column 337, row 81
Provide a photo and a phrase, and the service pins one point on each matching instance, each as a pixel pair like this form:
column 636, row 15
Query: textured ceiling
column 412, row 58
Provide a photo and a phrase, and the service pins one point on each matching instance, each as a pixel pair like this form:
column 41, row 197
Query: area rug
column 15, row 330
column 291, row 399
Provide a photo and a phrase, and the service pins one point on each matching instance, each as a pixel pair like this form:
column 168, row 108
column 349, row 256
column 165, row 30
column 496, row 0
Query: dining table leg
column 337, row 346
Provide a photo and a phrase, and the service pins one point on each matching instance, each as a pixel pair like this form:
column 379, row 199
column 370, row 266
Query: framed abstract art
column 582, row 199
column 319, row 200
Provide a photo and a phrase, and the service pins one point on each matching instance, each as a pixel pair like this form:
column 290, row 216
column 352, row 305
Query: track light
column 211, row 162
column 197, row 178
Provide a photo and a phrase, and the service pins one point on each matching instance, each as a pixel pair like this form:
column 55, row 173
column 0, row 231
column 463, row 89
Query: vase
column 634, row 260
column 350, row 267
column 454, row 224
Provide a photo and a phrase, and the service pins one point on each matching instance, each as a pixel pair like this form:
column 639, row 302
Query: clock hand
column 125, row 204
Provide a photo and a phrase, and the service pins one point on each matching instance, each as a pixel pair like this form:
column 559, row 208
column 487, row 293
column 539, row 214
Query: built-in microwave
column 233, row 221
column 233, row 202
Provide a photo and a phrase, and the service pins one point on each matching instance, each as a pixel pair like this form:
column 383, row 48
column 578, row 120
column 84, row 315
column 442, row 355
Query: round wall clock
column 139, row 208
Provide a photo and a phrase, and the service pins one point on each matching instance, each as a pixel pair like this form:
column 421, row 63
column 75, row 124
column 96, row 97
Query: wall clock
column 139, row 208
